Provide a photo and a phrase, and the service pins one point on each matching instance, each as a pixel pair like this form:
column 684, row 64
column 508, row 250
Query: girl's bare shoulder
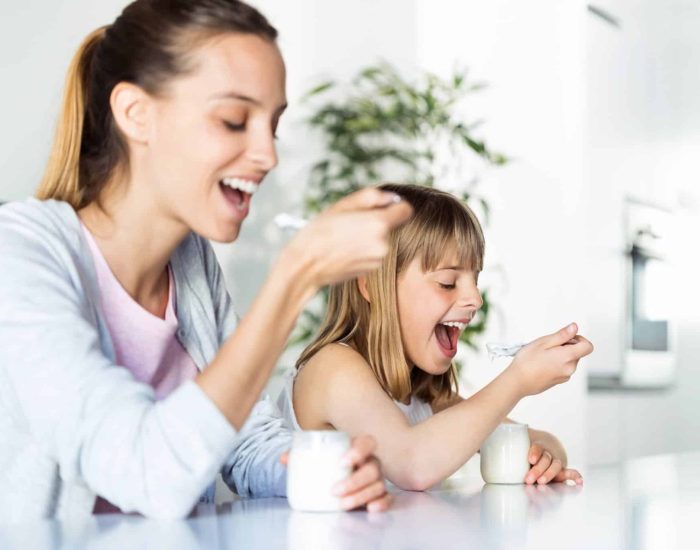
column 336, row 362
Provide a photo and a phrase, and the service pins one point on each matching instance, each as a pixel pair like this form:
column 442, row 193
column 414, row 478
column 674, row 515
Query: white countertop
column 646, row 503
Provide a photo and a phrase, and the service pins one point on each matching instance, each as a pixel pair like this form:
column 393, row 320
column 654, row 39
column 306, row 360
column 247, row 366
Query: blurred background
column 593, row 219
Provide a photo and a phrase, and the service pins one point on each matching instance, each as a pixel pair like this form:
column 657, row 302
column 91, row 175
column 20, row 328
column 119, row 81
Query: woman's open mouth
column 447, row 336
column 238, row 192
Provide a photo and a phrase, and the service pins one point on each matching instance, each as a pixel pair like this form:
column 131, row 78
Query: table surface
column 651, row 502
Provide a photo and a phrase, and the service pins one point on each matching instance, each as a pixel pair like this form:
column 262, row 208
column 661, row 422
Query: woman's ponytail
column 62, row 177
column 150, row 43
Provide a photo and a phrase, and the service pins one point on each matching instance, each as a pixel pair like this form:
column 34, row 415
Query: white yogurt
column 504, row 454
column 314, row 468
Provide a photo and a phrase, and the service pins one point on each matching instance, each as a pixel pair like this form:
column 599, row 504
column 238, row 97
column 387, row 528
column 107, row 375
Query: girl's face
column 212, row 140
column 434, row 308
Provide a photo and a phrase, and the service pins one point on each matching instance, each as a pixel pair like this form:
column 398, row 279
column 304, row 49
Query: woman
column 111, row 300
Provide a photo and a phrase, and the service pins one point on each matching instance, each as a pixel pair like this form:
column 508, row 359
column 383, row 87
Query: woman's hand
column 365, row 486
column 548, row 463
column 350, row 237
column 550, row 360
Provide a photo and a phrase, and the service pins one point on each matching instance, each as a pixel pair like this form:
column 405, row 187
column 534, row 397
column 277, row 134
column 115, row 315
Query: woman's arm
column 338, row 388
column 348, row 239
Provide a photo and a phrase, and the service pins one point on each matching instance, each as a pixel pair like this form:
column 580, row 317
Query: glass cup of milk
column 504, row 454
column 314, row 467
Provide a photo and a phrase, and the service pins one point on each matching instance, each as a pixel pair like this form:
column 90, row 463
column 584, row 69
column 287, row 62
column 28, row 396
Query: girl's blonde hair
column 440, row 224
column 149, row 43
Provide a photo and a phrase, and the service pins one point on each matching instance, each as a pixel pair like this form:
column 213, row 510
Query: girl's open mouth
column 447, row 336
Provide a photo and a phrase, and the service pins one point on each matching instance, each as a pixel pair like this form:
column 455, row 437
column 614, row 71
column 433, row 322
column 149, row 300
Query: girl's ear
column 362, row 287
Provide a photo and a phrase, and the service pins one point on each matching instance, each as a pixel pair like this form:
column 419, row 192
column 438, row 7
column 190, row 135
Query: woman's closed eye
column 235, row 127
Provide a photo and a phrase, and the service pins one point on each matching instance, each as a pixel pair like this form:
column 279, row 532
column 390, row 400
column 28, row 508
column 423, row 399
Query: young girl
column 126, row 380
column 382, row 362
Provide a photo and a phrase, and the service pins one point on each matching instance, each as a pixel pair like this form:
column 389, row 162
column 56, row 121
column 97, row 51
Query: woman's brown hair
column 147, row 45
column 440, row 224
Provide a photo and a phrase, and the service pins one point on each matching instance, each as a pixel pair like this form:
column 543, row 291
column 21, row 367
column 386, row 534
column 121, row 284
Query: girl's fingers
column 360, row 498
column 365, row 475
column 569, row 474
column 538, row 469
column 535, row 453
column 554, row 468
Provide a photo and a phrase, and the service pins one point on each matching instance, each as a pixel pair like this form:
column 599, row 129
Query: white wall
column 531, row 54
column 37, row 41
column 643, row 134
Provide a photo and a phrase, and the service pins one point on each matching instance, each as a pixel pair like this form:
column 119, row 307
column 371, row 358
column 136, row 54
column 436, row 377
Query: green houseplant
column 382, row 127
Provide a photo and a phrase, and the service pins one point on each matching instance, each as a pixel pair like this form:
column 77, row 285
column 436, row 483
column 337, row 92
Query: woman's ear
column 362, row 287
column 131, row 110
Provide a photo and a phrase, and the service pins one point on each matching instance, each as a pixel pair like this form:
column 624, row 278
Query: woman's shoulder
column 40, row 217
column 40, row 231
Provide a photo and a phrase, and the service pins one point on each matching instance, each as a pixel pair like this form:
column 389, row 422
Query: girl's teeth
column 456, row 324
column 246, row 186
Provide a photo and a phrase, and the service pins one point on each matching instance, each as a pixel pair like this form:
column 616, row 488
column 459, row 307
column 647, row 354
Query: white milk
column 504, row 454
column 315, row 466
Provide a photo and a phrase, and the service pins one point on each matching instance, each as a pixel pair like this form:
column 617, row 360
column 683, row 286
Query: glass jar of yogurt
column 504, row 454
column 314, row 468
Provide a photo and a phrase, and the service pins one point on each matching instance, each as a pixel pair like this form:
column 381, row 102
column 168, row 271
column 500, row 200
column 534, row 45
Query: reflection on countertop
column 646, row 503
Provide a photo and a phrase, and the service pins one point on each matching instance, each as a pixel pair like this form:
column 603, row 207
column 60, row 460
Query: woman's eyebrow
column 243, row 97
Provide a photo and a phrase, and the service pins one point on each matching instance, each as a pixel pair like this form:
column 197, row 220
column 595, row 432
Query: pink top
column 143, row 343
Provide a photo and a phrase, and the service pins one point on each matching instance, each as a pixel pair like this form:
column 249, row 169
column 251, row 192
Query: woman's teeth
column 246, row 186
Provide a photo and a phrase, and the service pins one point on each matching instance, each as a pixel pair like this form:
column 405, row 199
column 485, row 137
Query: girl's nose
column 471, row 297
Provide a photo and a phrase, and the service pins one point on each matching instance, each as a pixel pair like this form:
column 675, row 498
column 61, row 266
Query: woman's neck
column 137, row 240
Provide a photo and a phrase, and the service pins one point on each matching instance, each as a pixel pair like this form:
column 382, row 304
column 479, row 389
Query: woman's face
column 434, row 308
column 212, row 140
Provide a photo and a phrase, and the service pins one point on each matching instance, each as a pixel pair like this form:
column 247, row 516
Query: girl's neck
column 137, row 240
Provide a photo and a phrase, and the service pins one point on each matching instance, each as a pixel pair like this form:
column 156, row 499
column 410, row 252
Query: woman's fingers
column 381, row 504
column 538, row 469
column 365, row 475
column 361, row 449
column 363, row 497
column 365, row 199
column 365, row 487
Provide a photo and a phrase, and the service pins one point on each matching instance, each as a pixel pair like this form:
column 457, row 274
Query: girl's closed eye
column 233, row 126
column 447, row 286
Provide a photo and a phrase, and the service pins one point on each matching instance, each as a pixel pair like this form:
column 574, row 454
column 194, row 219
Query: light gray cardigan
column 74, row 424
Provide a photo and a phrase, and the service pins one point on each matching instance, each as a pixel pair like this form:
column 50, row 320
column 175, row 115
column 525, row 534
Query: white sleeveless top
column 416, row 411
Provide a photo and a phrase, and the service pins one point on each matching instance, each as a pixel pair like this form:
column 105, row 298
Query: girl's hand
column 350, row 237
column 365, row 486
column 550, row 360
column 549, row 464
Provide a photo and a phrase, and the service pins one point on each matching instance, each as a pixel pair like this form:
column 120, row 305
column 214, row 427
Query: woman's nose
column 262, row 151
